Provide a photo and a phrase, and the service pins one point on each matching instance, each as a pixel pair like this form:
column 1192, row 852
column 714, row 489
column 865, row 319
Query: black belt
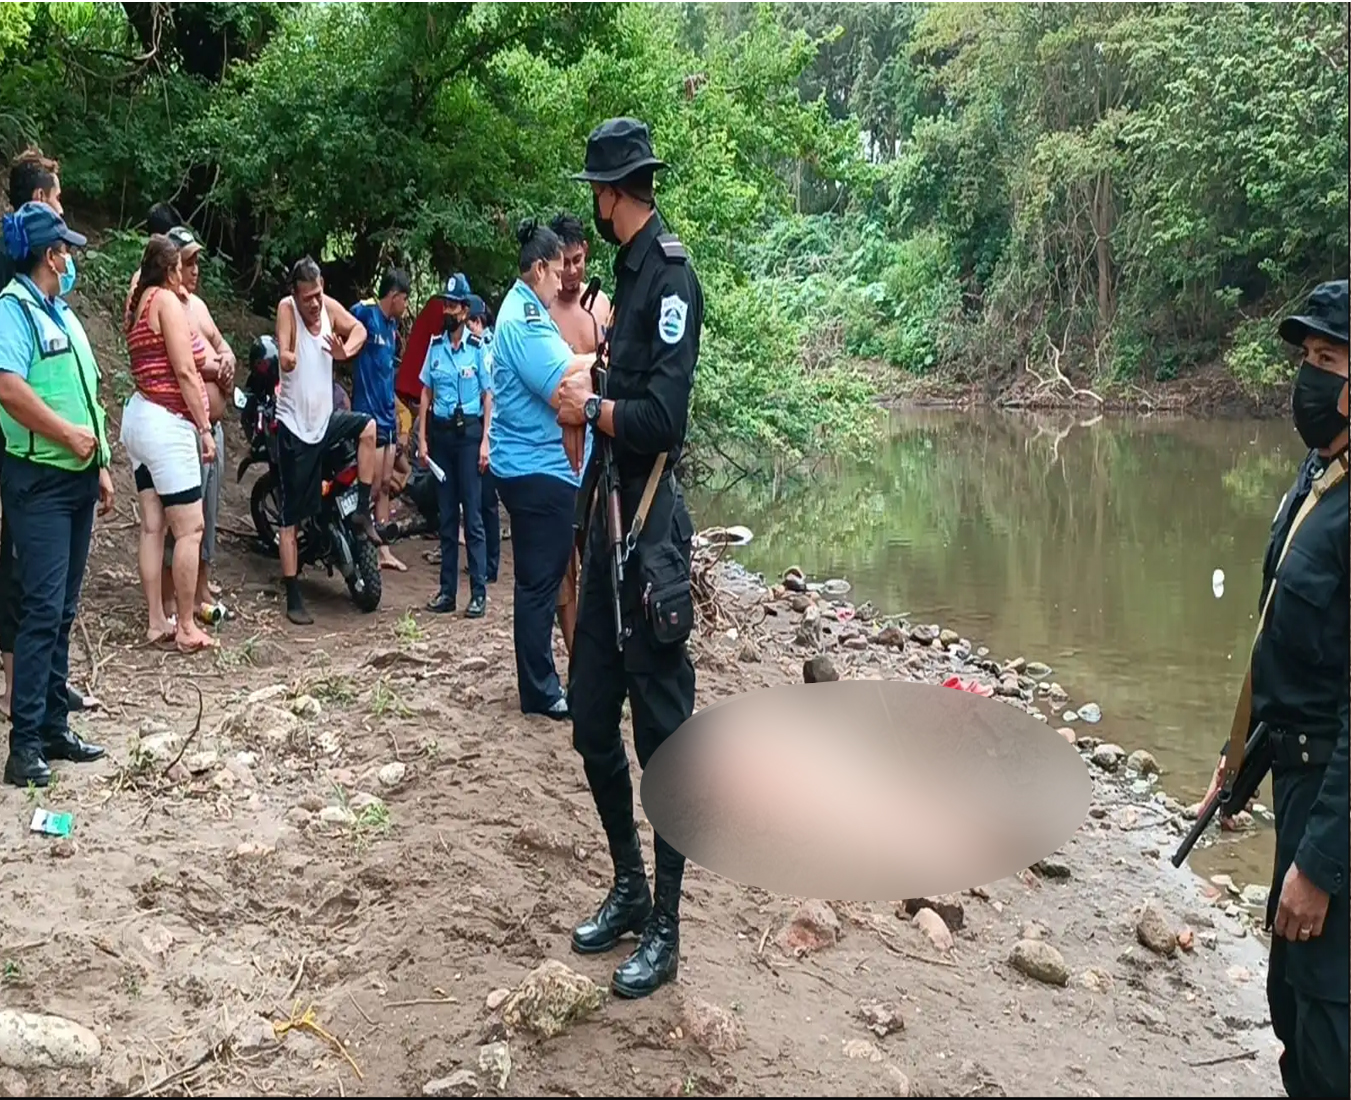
column 435, row 421
column 1299, row 750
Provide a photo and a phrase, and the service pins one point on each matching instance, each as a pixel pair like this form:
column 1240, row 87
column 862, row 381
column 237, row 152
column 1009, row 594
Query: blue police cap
column 457, row 288
column 35, row 226
column 477, row 308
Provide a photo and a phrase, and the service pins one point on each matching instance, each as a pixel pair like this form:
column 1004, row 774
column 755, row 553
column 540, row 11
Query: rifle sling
column 645, row 504
column 1238, row 732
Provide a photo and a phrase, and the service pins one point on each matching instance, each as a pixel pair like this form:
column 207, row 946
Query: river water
column 1091, row 545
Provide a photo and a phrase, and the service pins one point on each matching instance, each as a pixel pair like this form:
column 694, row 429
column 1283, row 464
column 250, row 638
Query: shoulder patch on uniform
column 672, row 249
column 531, row 312
column 671, row 318
column 474, row 341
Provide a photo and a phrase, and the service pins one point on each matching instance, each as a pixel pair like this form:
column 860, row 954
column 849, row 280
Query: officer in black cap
column 653, row 349
column 1299, row 688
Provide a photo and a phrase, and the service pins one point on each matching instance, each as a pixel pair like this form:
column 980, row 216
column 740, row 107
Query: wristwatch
column 591, row 410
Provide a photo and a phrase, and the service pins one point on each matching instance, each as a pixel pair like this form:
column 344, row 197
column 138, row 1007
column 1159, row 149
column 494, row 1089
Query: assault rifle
column 1235, row 794
column 607, row 484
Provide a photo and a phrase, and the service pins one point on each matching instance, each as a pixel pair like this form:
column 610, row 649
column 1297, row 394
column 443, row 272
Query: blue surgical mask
column 68, row 276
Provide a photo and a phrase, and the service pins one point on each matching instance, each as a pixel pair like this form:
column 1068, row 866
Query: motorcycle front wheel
column 366, row 583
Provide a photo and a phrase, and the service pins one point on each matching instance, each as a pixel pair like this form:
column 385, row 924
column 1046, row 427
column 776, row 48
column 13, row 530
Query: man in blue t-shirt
column 373, row 387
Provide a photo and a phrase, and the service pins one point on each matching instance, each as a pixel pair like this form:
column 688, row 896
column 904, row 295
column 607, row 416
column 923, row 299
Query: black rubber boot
column 626, row 908
column 657, row 959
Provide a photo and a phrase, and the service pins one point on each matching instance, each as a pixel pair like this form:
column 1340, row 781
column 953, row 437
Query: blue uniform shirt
column 456, row 375
column 529, row 356
column 373, row 372
column 16, row 334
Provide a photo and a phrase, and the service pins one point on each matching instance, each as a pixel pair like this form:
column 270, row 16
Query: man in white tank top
column 312, row 331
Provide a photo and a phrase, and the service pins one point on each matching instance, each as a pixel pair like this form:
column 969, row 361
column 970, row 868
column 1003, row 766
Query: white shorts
column 165, row 452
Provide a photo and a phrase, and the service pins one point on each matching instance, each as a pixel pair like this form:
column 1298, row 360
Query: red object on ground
column 968, row 685
column 428, row 324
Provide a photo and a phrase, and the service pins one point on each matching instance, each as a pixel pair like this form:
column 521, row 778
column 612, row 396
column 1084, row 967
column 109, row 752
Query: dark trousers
column 492, row 524
column 457, row 455
column 9, row 589
column 1313, row 1031
column 540, row 507
column 51, row 516
column 659, row 686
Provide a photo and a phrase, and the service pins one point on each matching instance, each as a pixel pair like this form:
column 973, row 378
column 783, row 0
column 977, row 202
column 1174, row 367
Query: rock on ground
column 814, row 927
column 462, row 1082
column 31, row 1041
column 1040, row 961
column 711, row 1027
column 494, row 1060
column 881, row 1017
column 819, row 670
column 947, row 906
column 1109, row 757
column 1142, row 762
column 932, row 925
column 1153, row 930
column 550, row 999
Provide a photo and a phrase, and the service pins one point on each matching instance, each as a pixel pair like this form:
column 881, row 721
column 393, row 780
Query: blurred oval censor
column 865, row 790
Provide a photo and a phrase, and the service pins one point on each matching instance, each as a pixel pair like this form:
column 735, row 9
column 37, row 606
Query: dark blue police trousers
column 541, row 510
column 457, row 455
column 51, row 517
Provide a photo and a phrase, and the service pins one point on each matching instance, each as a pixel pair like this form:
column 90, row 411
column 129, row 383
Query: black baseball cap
column 1325, row 314
column 616, row 149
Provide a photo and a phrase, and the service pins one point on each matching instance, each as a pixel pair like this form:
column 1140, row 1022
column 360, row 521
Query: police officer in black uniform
column 1300, row 689
column 653, row 349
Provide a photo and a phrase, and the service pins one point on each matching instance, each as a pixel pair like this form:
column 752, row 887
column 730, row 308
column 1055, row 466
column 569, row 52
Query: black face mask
column 604, row 226
column 1314, row 404
column 450, row 326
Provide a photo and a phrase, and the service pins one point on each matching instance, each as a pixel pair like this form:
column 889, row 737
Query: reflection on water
column 1088, row 545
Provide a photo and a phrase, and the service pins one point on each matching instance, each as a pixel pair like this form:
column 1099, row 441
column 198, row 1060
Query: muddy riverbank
column 364, row 846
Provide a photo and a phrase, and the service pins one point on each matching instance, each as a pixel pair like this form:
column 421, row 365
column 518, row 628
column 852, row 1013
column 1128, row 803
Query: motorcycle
column 326, row 539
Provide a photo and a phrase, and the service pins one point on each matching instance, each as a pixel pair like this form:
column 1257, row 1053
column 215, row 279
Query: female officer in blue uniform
column 534, row 478
column 454, row 417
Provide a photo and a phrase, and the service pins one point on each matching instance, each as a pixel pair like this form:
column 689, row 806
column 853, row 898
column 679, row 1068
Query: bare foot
column 161, row 630
column 389, row 561
column 192, row 640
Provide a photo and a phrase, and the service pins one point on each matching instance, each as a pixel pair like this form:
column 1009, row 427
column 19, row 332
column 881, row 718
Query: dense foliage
column 945, row 188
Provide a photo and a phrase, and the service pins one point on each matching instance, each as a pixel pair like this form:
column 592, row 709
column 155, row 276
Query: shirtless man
column 579, row 330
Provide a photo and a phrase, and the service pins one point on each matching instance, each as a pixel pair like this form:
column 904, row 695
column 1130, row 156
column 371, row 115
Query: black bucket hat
column 1325, row 314
column 616, row 149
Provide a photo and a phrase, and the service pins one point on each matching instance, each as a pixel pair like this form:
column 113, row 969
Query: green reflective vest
column 65, row 377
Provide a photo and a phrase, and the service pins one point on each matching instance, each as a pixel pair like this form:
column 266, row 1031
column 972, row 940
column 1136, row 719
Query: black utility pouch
column 668, row 602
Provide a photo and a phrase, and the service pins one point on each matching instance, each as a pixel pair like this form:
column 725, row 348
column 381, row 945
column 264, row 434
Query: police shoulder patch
column 531, row 313
column 474, row 341
column 671, row 318
column 672, row 249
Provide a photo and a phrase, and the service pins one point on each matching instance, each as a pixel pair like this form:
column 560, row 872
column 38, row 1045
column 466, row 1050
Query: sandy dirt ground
column 364, row 845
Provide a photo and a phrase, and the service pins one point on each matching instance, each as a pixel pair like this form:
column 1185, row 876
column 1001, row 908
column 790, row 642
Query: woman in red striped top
column 166, row 428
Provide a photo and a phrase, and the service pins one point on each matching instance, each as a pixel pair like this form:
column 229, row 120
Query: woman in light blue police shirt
column 534, row 478
column 454, row 417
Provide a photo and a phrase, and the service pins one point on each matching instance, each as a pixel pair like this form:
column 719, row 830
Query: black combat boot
column 658, row 956
column 26, row 764
column 626, row 908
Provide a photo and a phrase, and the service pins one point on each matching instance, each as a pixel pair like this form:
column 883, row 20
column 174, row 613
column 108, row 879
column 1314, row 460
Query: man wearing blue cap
column 55, row 472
